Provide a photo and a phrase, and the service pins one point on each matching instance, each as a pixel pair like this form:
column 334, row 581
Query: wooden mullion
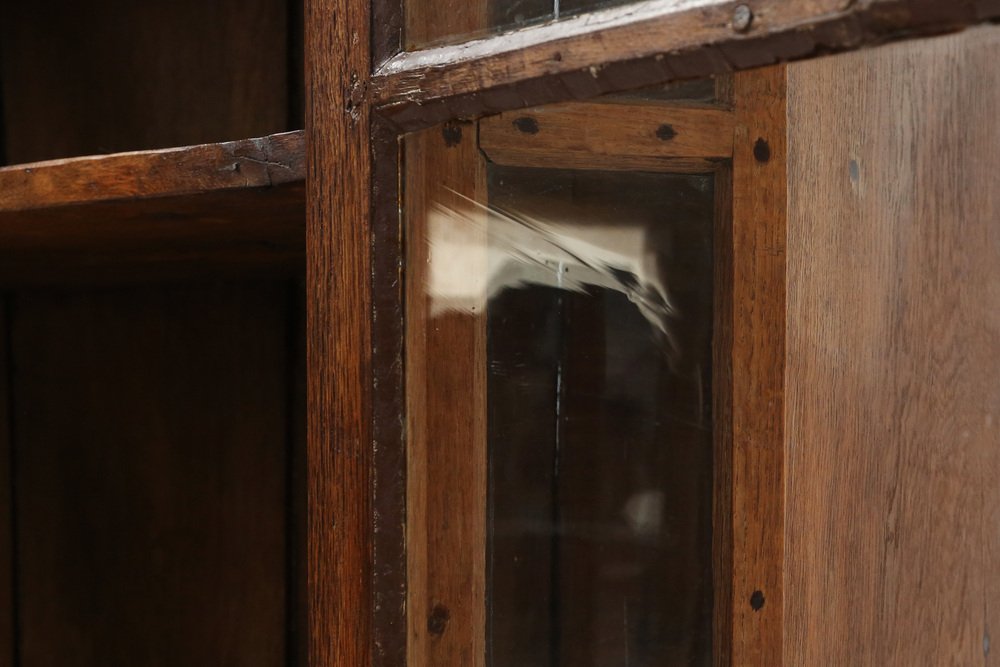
column 339, row 333
column 641, row 44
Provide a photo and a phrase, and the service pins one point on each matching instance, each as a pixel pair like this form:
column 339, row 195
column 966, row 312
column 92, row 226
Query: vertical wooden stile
column 338, row 322
column 757, row 365
column 446, row 419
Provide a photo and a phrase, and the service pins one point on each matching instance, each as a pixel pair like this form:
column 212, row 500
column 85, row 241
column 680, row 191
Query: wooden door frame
column 356, row 104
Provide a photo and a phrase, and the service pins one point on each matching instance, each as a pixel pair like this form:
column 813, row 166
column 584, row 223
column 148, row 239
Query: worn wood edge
column 389, row 404
column 759, row 222
column 339, row 447
column 249, row 163
column 660, row 138
column 643, row 44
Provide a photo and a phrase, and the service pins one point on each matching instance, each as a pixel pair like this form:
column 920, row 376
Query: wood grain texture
column 641, row 44
column 114, row 75
column 201, row 210
column 248, row 163
column 648, row 137
column 151, row 448
column 893, row 405
column 339, row 333
column 757, row 366
column 446, row 419
column 8, row 599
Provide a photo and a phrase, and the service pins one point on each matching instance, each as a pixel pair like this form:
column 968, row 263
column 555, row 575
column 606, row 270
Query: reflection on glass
column 599, row 427
column 597, row 288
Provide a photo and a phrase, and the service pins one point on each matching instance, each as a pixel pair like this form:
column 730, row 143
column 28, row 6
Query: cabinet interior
column 152, row 333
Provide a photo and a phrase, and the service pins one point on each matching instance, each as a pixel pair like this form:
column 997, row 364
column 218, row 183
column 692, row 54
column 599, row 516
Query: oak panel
column 893, row 452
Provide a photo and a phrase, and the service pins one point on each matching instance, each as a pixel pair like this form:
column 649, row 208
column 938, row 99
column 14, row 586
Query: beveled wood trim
column 646, row 137
column 339, row 455
column 171, row 172
column 757, row 367
column 642, row 44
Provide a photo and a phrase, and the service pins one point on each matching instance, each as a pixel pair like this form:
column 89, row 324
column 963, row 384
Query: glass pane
column 559, row 490
column 599, row 433
column 430, row 22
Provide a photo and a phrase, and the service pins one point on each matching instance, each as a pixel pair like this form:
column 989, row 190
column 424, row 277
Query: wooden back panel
column 151, row 431
column 892, row 449
column 113, row 75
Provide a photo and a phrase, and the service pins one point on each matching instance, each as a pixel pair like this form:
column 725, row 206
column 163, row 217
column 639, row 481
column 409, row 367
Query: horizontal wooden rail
column 641, row 44
column 247, row 163
column 650, row 137
column 202, row 210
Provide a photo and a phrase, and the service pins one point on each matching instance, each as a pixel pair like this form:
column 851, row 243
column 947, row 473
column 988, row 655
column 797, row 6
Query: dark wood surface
column 114, row 75
column 206, row 235
column 893, row 508
column 758, row 367
column 8, row 574
column 339, row 333
column 641, row 136
column 389, row 406
column 151, row 437
column 636, row 45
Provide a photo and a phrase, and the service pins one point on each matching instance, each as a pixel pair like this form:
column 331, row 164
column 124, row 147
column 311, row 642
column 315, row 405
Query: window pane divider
column 641, row 44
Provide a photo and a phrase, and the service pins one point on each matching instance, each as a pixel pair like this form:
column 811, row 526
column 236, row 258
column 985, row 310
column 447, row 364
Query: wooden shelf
column 207, row 209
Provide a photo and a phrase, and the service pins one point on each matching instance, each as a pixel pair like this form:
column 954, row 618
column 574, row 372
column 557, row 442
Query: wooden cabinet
column 659, row 334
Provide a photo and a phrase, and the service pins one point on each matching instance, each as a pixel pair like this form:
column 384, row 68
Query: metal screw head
column 742, row 18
